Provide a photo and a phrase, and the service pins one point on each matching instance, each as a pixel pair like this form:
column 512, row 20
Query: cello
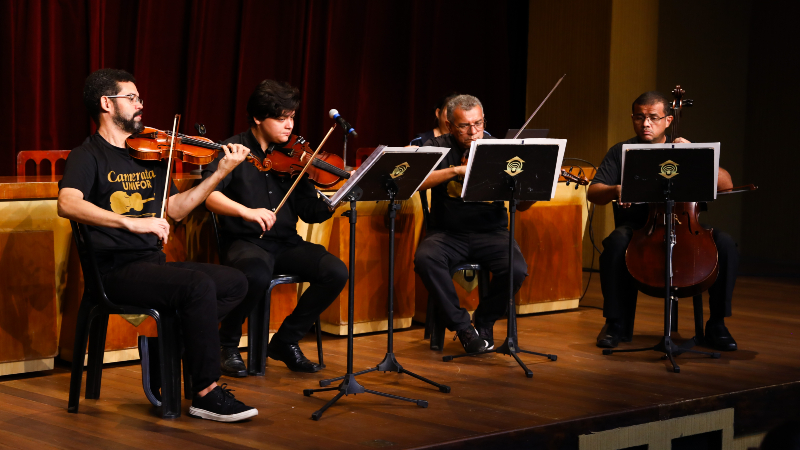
column 694, row 253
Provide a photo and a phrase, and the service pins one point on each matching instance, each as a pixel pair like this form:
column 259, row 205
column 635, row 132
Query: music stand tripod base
column 389, row 363
column 509, row 347
column 380, row 162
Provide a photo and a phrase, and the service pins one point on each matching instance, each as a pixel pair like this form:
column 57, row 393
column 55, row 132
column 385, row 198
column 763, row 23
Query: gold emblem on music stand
column 669, row 169
column 514, row 167
column 399, row 170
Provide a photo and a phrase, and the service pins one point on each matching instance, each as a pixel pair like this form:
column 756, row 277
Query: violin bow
column 305, row 168
column 738, row 189
column 539, row 107
column 165, row 200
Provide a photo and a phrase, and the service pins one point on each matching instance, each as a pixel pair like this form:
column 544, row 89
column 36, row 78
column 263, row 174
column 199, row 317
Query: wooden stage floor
column 492, row 403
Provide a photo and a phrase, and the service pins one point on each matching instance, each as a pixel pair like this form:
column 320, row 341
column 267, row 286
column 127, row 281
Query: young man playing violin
column 261, row 243
column 465, row 231
column 133, row 268
column 651, row 117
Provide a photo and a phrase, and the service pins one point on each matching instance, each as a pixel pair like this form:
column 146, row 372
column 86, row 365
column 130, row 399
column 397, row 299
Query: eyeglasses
column 479, row 125
column 132, row 97
column 641, row 118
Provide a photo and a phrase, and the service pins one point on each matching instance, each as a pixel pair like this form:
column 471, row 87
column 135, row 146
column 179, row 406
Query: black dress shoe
column 231, row 362
column 151, row 369
column 610, row 335
column 292, row 356
column 719, row 338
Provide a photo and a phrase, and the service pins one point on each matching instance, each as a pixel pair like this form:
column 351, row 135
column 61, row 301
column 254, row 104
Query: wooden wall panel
column 28, row 314
column 372, row 265
column 550, row 240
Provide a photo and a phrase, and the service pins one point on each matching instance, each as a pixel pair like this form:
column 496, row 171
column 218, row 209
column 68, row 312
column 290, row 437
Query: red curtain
column 381, row 64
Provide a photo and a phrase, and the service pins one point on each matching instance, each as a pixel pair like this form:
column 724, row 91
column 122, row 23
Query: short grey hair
column 465, row 102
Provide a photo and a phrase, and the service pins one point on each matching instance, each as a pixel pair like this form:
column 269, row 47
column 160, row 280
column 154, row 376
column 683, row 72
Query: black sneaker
column 221, row 405
column 470, row 340
column 487, row 334
column 231, row 362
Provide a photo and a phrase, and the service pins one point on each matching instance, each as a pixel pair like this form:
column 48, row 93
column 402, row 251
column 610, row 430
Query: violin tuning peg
column 201, row 129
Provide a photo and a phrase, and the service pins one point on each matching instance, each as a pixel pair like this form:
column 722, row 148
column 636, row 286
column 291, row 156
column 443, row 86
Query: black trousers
column 441, row 250
column 326, row 274
column 619, row 288
column 202, row 294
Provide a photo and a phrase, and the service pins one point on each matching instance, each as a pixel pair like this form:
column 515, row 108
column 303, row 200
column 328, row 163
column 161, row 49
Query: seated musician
column 440, row 122
column 261, row 243
column 126, row 239
column 465, row 231
column 651, row 116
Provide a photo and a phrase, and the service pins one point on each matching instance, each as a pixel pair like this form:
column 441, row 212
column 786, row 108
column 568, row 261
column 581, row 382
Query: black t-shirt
column 111, row 179
column 254, row 189
column 451, row 213
column 610, row 174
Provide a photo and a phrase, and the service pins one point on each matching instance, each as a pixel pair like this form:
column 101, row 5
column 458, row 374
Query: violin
column 326, row 169
column 154, row 145
column 694, row 255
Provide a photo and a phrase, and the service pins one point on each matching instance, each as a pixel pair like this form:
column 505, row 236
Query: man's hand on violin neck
column 234, row 155
column 149, row 225
column 261, row 216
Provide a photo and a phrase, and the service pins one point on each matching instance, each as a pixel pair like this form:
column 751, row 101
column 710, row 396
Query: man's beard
column 129, row 125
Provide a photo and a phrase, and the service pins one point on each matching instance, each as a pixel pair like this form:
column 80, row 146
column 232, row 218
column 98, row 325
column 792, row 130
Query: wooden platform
column 492, row 404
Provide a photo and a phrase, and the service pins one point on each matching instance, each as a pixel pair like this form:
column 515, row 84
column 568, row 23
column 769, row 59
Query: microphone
column 348, row 129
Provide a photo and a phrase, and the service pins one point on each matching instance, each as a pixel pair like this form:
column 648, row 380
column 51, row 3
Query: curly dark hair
column 653, row 98
column 100, row 83
column 272, row 99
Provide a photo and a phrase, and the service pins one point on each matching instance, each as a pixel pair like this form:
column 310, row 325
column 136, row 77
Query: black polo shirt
column 254, row 189
column 449, row 212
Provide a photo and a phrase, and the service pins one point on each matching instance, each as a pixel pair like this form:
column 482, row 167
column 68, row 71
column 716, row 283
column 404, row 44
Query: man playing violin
column 459, row 231
column 98, row 174
column 261, row 243
column 651, row 117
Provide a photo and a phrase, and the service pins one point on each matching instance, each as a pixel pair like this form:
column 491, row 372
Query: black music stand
column 389, row 173
column 655, row 173
column 513, row 170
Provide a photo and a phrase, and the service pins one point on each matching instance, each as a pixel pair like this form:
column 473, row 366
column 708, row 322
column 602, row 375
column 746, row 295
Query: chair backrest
column 423, row 198
column 91, row 274
column 219, row 237
column 37, row 156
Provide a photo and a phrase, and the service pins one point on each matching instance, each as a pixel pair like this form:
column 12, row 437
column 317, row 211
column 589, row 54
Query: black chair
column 258, row 320
column 92, row 323
column 434, row 323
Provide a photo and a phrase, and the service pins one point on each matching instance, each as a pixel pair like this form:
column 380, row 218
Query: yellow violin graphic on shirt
column 121, row 202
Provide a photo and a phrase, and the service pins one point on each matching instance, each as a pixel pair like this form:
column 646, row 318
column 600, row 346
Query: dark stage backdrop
column 381, row 64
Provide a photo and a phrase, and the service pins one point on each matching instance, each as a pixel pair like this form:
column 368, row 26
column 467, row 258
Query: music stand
column 388, row 173
column 650, row 174
column 513, row 170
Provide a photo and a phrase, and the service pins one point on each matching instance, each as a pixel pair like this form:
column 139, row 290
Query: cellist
column 132, row 266
column 651, row 116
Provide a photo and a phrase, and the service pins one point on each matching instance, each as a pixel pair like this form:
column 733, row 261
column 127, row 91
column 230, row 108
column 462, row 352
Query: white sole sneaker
column 487, row 345
column 203, row 414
